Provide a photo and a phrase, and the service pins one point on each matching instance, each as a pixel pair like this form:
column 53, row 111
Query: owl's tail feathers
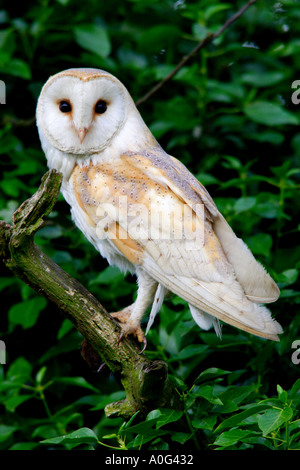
column 205, row 321
column 161, row 291
column 255, row 281
column 231, row 306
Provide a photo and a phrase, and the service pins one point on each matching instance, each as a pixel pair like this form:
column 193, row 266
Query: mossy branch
column 145, row 382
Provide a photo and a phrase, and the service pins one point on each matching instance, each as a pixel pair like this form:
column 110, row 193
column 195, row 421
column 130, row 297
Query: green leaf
column 210, row 374
column 262, row 79
column 145, row 437
column 26, row 313
column 81, row 436
column 190, row 351
column 13, row 402
column 12, row 187
column 207, row 179
column 270, row 114
column 167, row 416
column 63, row 2
column 208, row 422
column 238, row 418
column 269, row 136
column 18, row 68
column 207, row 392
column 224, row 92
column 273, row 419
column 228, row 438
column 244, row 204
column 6, row 214
column 288, row 277
column 147, row 430
column 107, row 276
column 6, row 282
column 282, row 394
column 40, row 375
column 50, row 232
column 181, row 437
column 257, row 439
column 6, row 431
column 214, row 9
column 66, row 326
column 76, row 381
column 260, row 244
column 20, row 367
column 24, row 446
column 94, row 39
column 295, row 389
column 8, row 143
column 232, row 162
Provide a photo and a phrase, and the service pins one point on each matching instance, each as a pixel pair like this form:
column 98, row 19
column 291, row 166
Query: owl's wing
column 170, row 227
column 206, row 264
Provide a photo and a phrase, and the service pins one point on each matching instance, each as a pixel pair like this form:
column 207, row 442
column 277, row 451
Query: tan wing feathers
column 258, row 285
column 256, row 282
column 131, row 249
column 171, row 173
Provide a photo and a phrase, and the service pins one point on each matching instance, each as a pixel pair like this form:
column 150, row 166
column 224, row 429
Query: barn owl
column 145, row 212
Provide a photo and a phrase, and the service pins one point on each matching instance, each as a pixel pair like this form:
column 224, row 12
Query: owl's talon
column 144, row 347
column 120, row 337
column 127, row 329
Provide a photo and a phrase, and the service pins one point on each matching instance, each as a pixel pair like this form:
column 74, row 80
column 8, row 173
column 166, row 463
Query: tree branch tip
column 206, row 40
column 41, row 203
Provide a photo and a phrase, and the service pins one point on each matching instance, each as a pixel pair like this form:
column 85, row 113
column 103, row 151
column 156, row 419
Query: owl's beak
column 82, row 133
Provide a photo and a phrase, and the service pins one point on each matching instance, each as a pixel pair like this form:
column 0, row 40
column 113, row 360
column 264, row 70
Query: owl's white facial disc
column 79, row 112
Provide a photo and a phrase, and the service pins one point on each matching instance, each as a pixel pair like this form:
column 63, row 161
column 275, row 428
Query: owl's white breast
column 99, row 240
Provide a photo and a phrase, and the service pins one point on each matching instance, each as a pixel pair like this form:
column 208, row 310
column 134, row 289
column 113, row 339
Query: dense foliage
column 228, row 115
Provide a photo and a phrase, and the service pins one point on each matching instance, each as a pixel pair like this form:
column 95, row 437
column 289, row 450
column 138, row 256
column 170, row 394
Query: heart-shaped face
column 81, row 110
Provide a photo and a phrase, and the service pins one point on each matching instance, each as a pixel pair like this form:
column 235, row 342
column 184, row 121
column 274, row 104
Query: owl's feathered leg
column 131, row 316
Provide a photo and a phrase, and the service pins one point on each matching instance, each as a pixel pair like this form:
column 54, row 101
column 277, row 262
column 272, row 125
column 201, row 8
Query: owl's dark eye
column 100, row 107
column 65, row 107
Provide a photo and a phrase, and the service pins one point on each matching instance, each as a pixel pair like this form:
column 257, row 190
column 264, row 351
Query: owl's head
column 80, row 111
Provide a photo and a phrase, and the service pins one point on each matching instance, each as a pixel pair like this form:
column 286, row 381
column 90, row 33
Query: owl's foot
column 128, row 328
column 122, row 316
